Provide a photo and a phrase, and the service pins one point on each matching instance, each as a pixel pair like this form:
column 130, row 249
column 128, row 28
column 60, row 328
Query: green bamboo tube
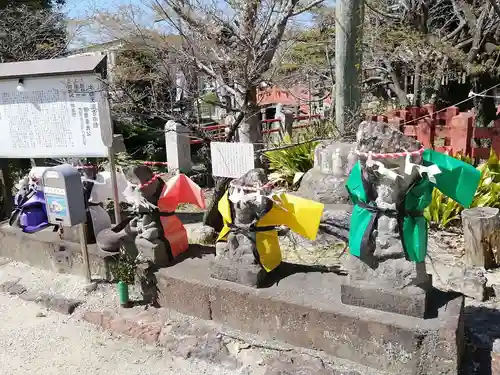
column 123, row 293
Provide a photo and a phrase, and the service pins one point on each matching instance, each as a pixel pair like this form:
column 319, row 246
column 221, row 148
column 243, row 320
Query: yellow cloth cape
column 300, row 215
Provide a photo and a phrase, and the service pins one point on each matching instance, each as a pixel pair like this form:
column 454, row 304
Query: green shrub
column 444, row 211
column 124, row 269
column 289, row 164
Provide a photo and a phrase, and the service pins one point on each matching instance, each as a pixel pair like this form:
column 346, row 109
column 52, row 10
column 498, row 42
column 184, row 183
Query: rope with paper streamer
column 390, row 154
column 430, row 171
column 258, row 193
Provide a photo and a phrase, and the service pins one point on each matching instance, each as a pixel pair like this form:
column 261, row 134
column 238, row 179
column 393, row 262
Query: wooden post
column 495, row 137
column 425, row 132
column 82, row 228
column 349, row 17
column 461, row 133
column 6, row 179
column 481, row 236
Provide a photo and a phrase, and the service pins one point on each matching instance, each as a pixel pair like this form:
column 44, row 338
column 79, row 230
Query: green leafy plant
column 444, row 211
column 288, row 165
column 124, row 269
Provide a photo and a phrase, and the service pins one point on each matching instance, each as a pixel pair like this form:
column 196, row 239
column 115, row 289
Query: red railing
column 448, row 130
column 216, row 132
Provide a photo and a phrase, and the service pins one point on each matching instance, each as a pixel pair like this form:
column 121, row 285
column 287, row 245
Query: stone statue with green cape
column 390, row 187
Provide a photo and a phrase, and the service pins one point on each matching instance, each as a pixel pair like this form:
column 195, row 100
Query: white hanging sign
column 231, row 159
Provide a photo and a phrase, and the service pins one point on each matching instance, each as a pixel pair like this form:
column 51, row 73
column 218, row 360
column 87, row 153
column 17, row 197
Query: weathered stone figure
column 382, row 264
column 252, row 215
column 152, row 235
column 390, row 187
column 237, row 259
column 141, row 234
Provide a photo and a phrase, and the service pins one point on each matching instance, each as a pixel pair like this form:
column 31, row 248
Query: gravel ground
column 54, row 344
column 34, row 340
column 37, row 341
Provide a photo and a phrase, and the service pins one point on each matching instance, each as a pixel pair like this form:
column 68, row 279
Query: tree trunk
column 481, row 236
column 436, row 87
column 348, row 56
column 396, row 88
column 405, row 82
column 484, row 107
column 249, row 130
column 417, row 86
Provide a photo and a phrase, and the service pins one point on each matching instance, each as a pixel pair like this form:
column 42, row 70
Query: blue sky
column 78, row 8
column 84, row 9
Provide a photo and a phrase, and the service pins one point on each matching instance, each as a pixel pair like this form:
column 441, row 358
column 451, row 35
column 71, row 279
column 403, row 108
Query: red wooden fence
column 448, row 130
column 216, row 132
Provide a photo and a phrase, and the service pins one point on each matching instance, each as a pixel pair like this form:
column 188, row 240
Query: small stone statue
column 236, row 259
column 251, row 215
column 325, row 182
column 317, row 157
column 326, row 166
column 153, row 233
column 337, row 164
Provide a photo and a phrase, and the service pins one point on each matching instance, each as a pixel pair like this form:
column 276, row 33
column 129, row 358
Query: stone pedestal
column 153, row 251
column 224, row 267
column 411, row 301
column 394, row 285
column 304, row 309
column 251, row 275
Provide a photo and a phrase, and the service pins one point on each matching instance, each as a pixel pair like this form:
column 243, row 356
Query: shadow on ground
column 194, row 251
column 482, row 328
column 190, row 217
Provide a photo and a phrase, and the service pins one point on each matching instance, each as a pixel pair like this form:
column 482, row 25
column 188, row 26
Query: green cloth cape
column 457, row 180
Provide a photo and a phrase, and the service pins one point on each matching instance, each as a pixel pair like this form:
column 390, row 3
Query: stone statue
column 390, row 188
column 337, row 164
column 140, row 234
column 252, row 214
column 352, row 159
column 325, row 182
column 236, row 259
column 382, row 264
column 153, row 235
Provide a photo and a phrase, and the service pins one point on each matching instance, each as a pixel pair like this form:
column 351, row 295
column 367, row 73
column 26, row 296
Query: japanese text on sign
column 52, row 117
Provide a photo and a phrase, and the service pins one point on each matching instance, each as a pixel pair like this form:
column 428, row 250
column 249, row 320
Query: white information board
column 58, row 116
column 231, row 159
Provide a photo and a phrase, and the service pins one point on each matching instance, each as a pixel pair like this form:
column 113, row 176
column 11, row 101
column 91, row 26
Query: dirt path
column 36, row 341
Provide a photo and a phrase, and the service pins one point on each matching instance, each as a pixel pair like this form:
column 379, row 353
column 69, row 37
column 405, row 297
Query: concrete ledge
column 47, row 251
column 304, row 309
column 405, row 303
